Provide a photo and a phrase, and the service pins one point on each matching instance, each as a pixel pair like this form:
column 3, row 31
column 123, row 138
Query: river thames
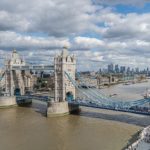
column 25, row 128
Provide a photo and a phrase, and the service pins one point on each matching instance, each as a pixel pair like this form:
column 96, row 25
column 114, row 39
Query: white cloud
column 57, row 18
column 127, row 27
column 138, row 3
column 110, row 36
column 15, row 40
column 87, row 43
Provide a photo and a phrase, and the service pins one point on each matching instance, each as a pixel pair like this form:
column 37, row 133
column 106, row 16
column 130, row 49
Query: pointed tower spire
column 14, row 50
column 65, row 51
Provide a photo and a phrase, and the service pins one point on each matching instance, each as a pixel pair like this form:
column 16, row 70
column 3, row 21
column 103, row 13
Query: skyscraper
column 117, row 68
column 137, row 70
column 110, row 68
column 122, row 69
column 128, row 70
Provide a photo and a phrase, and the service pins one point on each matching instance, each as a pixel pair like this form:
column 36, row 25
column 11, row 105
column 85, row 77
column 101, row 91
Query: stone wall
column 7, row 101
column 57, row 108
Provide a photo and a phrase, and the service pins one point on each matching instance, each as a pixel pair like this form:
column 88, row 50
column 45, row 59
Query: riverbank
column 130, row 82
column 142, row 140
column 132, row 140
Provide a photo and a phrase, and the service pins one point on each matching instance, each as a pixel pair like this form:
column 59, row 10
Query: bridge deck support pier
column 61, row 108
column 57, row 109
column 7, row 101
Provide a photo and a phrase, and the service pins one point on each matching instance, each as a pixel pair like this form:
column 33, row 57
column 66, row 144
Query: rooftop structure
column 15, row 60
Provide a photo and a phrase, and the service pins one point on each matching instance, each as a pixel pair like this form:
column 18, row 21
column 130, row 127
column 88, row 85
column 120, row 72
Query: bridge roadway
column 85, row 103
column 28, row 99
column 94, row 105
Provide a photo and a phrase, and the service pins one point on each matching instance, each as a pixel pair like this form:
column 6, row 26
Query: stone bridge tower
column 17, row 80
column 64, row 89
column 14, row 79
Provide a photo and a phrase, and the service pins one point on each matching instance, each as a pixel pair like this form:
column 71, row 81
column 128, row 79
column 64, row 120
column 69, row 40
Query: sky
column 98, row 32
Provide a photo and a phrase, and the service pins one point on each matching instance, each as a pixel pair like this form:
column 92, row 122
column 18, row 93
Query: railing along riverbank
column 139, row 141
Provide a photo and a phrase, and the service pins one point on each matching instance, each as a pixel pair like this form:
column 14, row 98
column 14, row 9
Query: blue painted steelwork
column 69, row 96
column 96, row 99
column 88, row 104
column 1, row 77
column 23, row 98
column 17, row 92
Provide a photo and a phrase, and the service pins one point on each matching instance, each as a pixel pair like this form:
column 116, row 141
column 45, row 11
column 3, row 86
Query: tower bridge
column 16, row 79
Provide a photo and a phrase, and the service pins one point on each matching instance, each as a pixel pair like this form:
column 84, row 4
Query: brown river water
column 25, row 128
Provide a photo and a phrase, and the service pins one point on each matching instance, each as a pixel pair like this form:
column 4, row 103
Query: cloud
column 86, row 43
column 88, row 50
column 95, row 32
column 125, row 2
column 102, row 52
column 127, row 27
column 56, row 18
column 9, row 40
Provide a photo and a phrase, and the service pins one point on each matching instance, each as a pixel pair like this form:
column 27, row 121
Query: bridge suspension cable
column 99, row 99
column 100, row 95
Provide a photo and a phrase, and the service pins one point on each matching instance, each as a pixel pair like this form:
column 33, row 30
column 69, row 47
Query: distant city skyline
column 117, row 68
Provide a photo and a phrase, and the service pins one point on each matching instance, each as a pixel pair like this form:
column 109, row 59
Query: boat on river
column 147, row 94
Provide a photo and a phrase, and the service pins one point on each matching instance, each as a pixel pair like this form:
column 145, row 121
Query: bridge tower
column 14, row 78
column 64, row 89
